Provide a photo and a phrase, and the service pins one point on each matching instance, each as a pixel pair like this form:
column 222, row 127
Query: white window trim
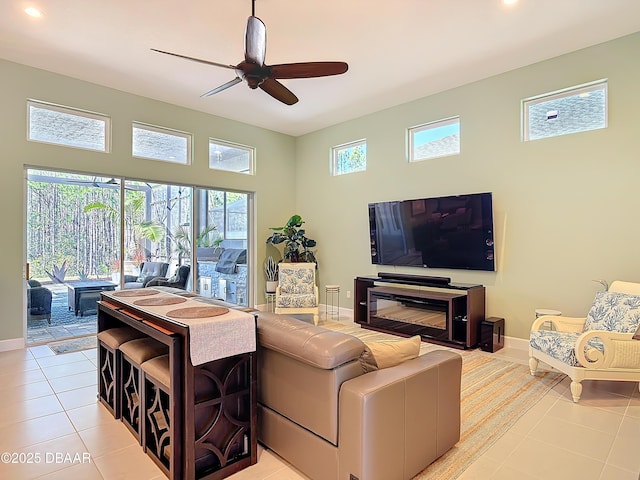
column 562, row 93
column 168, row 131
column 70, row 111
column 239, row 146
column 333, row 165
column 411, row 131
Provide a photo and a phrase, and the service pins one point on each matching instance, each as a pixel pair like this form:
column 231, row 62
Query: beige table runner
column 211, row 338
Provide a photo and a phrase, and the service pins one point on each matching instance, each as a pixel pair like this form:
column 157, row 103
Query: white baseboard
column 516, row 343
column 11, row 344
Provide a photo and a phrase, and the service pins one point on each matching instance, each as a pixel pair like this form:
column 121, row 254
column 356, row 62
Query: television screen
column 443, row 232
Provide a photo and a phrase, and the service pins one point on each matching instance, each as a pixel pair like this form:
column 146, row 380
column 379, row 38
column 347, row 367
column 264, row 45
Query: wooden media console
column 437, row 310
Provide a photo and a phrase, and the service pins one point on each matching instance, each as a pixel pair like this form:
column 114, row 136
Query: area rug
column 74, row 345
column 495, row 394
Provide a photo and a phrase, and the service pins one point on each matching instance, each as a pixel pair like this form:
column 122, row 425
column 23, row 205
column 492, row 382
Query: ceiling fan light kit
column 257, row 74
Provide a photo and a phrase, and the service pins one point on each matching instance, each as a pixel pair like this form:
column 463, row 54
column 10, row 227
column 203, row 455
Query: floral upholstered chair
column 297, row 291
column 599, row 347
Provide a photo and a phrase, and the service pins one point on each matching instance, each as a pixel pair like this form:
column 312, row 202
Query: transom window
column 159, row 143
column 67, row 126
column 231, row 157
column 434, row 139
column 349, row 157
column 572, row 110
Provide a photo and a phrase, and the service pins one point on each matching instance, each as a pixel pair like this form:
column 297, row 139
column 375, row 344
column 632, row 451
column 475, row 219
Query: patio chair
column 178, row 280
column 148, row 271
column 38, row 301
column 598, row 347
column 297, row 291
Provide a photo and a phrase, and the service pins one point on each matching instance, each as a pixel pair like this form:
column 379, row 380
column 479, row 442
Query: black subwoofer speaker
column 492, row 334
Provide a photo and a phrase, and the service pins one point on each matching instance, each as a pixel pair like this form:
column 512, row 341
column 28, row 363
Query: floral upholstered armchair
column 599, row 347
column 297, row 291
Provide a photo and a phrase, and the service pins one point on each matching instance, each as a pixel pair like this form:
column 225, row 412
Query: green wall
column 566, row 209
column 275, row 157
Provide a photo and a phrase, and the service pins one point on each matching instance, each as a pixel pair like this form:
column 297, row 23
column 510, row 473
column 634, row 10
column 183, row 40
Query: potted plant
column 296, row 244
column 271, row 271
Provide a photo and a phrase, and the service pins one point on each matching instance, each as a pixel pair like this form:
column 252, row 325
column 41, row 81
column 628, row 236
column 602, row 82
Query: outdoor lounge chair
column 148, row 271
column 178, row 280
column 38, row 301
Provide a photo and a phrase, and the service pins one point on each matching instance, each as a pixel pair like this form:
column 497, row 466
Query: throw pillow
column 388, row 353
column 614, row 312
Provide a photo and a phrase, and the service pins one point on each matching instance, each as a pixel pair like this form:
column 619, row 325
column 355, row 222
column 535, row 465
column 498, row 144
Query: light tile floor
column 49, row 416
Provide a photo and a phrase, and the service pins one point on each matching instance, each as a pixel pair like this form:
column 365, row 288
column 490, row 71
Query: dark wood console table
column 213, row 405
column 443, row 313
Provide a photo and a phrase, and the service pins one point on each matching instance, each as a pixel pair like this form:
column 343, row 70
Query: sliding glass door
column 222, row 245
column 72, row 246
column 100, row 232
column 157, row 219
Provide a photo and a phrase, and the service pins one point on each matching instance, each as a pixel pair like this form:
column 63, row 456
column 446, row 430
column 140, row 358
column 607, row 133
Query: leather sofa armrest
column 315, row 346
column 396, row 421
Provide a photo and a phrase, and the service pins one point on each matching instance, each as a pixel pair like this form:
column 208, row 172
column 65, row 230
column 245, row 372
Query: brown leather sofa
column 320, row 412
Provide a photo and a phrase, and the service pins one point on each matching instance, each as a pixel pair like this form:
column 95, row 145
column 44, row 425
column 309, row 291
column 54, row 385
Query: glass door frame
column 250, row 241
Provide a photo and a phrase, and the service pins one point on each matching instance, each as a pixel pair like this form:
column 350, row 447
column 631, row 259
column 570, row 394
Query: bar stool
column 156, row 379
column 332, row 292
column 134, row 354
column 109, row 342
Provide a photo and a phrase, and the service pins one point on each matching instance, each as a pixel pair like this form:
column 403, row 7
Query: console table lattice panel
column 223, row 413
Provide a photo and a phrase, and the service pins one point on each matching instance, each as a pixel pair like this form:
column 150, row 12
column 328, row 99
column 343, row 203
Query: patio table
column 76, row 290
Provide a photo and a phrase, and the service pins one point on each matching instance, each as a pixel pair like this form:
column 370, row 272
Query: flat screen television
column 443, row 232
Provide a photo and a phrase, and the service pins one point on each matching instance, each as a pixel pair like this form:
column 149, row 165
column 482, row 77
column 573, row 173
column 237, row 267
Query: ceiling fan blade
column 222, row 87
column 255, row 41
column 308, row 69
column 206, row 62
column 278, row 91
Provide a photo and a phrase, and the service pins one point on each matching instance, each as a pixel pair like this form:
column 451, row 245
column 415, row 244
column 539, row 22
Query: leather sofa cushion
column 307, row 343
column 389, row 353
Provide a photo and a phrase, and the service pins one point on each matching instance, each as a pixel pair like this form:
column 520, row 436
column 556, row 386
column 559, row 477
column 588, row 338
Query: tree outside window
column 349, row 158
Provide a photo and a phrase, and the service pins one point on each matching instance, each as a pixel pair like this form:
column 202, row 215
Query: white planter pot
column 271, row 286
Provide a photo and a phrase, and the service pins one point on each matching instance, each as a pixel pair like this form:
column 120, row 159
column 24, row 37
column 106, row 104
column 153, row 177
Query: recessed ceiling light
column 33, row 12
column 509, row 2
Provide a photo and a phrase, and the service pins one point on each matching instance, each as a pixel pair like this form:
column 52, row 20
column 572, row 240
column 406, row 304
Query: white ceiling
column 397, row 51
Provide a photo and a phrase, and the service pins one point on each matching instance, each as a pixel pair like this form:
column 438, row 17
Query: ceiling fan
column 257, row 74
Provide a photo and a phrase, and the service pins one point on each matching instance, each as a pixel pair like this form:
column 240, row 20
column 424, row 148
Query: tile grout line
column 75, row 429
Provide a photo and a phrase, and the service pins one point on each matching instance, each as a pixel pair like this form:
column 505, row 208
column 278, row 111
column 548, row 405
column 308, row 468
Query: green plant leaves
column 296, row 243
